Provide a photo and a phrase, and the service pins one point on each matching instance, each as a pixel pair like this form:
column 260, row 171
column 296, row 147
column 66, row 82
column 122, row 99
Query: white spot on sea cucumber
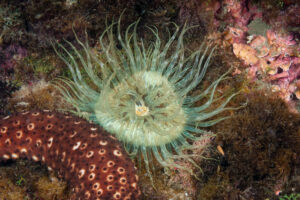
column 96, row 186
column 35, row 158
column 101, row 152
column 28, row 140
column 110, row 163
column 77, row 122
column 49, row 126
column 16, row 123
column 92, row 167
column 127, row 197
column 3, row 129
column 121, row 170
column 72, row 167
column 123, row 180
column 83, row 146
column 14, row 155
column 104, row 169
column 122, row 189
column 30, row 126
column 7, row 141
column 99, row 192
column 92, row 176
column 38, row 143
column 51, row 115
column 81, row 173
column 92, row 135
column 103, row 143
column 50, row 140
column 5, row 156
column 133, row 185
column 87, row 195
column 117, row 195
column 4, row 118
column 23, row 150
column 35, row 114
column 117, row 153
column 94, row 128
column 110, row 178
column 110, row 188
column 50, row 168
column 76, row 146
column 43, row 158
column 73, row 134
column 19, row 134
column 24, row 113
column 89, row 154
column 63, row 156
column 46, row 110
column 136, row 177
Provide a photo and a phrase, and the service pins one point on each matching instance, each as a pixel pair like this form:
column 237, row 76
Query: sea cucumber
column 92, row 161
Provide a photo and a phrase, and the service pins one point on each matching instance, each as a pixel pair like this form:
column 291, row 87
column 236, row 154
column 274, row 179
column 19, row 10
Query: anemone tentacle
column 142, row 92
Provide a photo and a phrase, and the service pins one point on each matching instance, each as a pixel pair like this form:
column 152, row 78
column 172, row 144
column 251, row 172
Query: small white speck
column 76, row 146
column 14, row 156
column 49, row 144
column 81, row 173
column 8, row 116
column 35, row 158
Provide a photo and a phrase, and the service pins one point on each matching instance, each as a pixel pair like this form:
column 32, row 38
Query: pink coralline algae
column 10, row 55
column 239, row 13
column 276, row 58
column 270, row 54
column 233, row 13
column 91, row 160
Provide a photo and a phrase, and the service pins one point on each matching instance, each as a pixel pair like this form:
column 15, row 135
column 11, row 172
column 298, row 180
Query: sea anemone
column 141, row 94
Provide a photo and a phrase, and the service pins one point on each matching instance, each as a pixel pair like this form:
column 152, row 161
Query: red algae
column 93, row 162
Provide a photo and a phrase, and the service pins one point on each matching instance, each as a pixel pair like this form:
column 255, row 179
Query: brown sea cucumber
column 92, row 161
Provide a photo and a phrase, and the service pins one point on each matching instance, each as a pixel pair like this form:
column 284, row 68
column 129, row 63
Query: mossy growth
column 215, row 187
column 51, row 188
column 6, row 90
column 261, row 143
column 10, row 191
column 27, row 180
column 38, row 66
column 37, row 96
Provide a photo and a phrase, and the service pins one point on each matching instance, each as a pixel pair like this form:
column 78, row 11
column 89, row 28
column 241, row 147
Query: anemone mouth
column 142, row 109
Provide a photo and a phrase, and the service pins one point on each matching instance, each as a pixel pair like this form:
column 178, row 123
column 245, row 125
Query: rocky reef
column 254, row 154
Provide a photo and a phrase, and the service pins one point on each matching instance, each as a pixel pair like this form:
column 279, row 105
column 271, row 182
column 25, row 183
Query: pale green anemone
column 141, row 94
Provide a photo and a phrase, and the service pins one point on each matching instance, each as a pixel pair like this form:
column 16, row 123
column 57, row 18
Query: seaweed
column 261, row 144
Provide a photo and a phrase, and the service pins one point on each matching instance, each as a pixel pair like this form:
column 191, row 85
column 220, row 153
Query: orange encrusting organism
column 92, row 161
